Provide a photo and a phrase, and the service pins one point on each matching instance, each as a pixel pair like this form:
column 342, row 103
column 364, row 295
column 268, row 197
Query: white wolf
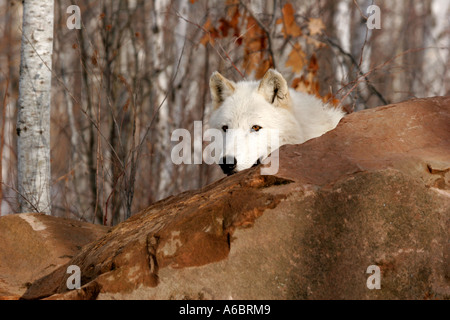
column 251, row 108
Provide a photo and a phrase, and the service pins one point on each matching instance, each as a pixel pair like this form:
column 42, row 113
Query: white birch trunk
column 342, row 23
column 33, row 120
column 360, row 49
column 161, row 86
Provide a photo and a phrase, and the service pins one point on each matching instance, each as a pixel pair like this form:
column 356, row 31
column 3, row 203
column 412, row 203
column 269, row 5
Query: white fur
column 297, row 116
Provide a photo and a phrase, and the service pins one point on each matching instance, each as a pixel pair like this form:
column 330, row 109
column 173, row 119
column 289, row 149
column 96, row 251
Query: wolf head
column 254, row 118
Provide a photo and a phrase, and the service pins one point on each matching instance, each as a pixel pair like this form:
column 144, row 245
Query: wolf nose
column 228, row 165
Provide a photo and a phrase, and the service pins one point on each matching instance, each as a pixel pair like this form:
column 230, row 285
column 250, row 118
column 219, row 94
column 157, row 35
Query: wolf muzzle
column 228, row 165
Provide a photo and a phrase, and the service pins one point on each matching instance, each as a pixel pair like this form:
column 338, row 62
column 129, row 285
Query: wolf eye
column 225, row 128
column 256, row 128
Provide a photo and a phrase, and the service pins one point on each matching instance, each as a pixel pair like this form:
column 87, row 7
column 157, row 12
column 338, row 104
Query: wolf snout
column 228, row 165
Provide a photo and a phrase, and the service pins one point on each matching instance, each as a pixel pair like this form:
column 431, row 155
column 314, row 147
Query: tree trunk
column 163, row 105
column 33, row 122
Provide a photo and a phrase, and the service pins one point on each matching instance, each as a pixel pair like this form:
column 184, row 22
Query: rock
column 34, row 245
column 373, row 192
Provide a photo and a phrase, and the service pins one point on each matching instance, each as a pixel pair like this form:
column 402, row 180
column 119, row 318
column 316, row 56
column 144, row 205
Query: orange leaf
column 255, row 45
column 224, row 27
column 313, row 65
column 315, row 26
column 290, row 27
column 307, row 84
column 235, row 19
column 331, row 99
column 210, row 32
column 301, row 84
column 296, row 59
column 233, row 6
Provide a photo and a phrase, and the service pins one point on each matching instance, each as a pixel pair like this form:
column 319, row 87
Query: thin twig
column 206, row 31
column 359, row 9
column 361, row 73
column 263, row 28
column 23, row 197
column 376, row 68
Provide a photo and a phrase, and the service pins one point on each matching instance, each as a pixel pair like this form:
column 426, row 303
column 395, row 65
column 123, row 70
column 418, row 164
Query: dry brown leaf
column 307, row 84
column 313, row 66
column 315, row 26
column 233, row 6
column 290, row 27
column 209, row 30
column 255, row 45
column 296, row 59
column 331, row 99
column 300, row 84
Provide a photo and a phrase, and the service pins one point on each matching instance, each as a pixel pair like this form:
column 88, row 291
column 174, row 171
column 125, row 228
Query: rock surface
column 33, row 245
column 374, row 191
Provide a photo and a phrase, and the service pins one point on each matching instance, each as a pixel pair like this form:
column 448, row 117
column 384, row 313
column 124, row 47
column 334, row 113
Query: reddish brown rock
column 374, row 191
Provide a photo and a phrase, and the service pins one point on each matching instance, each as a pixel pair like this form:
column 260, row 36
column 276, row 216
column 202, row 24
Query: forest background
column 137, row 70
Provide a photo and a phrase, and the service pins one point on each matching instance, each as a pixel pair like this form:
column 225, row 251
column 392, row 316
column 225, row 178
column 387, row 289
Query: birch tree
column 33, row 119
column 110, row 128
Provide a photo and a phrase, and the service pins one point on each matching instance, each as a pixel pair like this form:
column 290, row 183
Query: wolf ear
column 221, row 88
column 273, row 87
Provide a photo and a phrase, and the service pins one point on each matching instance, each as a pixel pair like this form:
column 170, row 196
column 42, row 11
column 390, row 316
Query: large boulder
column 33, row 245
column 374, row 192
